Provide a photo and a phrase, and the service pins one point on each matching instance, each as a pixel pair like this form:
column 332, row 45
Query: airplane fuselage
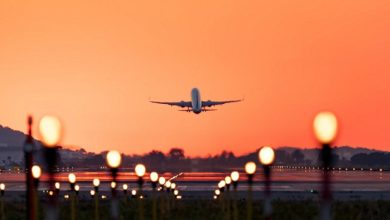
column 196, row 101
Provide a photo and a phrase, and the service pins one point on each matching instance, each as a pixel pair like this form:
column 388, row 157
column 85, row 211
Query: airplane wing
column 180, row 104
column 210, row 103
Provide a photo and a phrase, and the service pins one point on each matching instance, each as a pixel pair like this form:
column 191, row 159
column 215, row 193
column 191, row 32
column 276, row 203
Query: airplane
column 196, row 105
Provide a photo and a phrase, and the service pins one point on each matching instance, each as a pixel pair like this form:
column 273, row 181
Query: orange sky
column 95, row 64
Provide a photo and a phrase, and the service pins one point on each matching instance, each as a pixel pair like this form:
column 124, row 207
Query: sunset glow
column 96, row 65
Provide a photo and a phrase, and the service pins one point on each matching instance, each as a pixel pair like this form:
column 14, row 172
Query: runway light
column 140, row 170
column 228, row 180
column 125, row 187
column 72, row 178
column 113, row 159
column 153, row 176
column 235, row 176
column 36, row 171
column 325, row 127
column 168, row 184
column 266, row 155
column 221, row 184
column 50, row 130
column 161, row 180
column 250, row 168
column 96, row 182
column 217, row 192
column 57, row 185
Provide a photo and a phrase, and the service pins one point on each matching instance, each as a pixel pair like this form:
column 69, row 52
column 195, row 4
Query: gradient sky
column 96, row 64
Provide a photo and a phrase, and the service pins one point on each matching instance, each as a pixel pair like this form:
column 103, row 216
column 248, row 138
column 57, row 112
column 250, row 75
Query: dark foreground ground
column 210, row 209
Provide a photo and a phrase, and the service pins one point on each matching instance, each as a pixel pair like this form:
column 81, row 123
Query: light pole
column 50, row 131
column 28, row 157
column 36, row 173
column 72, row 183
column 57, row 186
column 2, row 191
column 96, row 183
column 153, row 179
column 235, row 176
column 250, row 169
column 140, row 171
column 266, row 158
column 325, row 129
column 114, row 160
column 228, row 181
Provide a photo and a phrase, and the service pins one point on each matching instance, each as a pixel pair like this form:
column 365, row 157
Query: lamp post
column 96, row 183
column 50, row 132
column 2, row 190
column 72, row 183
column 250, row 169
column 140, row 171
column 153, row 179
column 114, row 160
column 228, row 181
column 57, row 186
column 161, row 182
column 36, row 173
column 266, row 158
column 28, row 158
column 235, row 176
column 325, row 128
column 221, row 186
column 77, row 189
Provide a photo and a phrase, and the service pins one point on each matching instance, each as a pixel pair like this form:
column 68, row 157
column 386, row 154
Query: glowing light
column 266, row 155
column 215, row 197
column 178, row 197
column 72, row 178
column 250, row 168
column 133, row 192
column 173, row 185
column 217, row 192
column 77, row 188
column 50, row 130
column 161, row 180
column 176, row 192
column 66, row 196
column 104, row 197
column 36, row 171
column 113, row 185
column 2, row 186
column 153, row 177
column 92, row 192
column 125, row 187
column 140, row 170
column 235, row 176
column 168, row 184
column 325, row 127
column 57, row 185
column 96, row 182
column 228, row 180
column 51, row 193
column 113, row 159
column 221, row 184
